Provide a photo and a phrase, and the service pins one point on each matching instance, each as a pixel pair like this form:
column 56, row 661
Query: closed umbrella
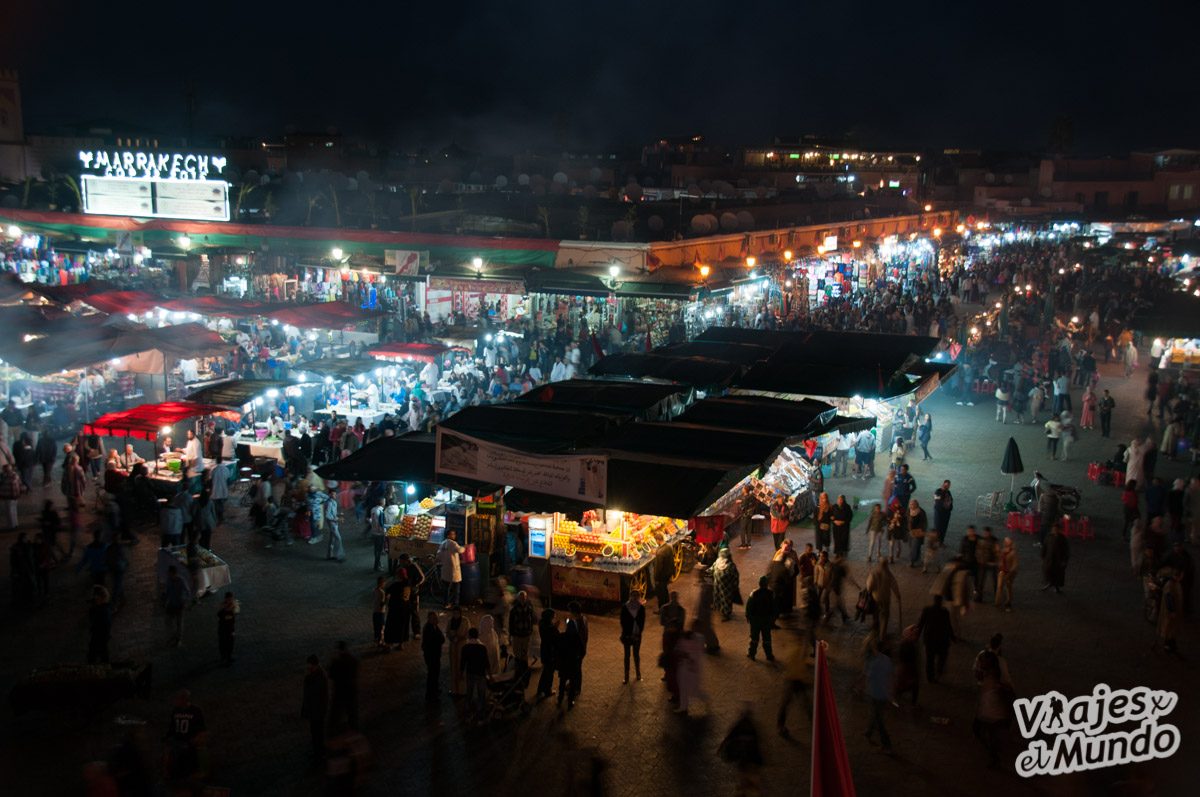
column 1012, row 465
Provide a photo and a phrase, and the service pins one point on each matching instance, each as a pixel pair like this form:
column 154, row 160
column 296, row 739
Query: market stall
column 211, row 574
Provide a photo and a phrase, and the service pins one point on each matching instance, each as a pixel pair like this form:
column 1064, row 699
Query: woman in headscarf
column 823, row 522
column 689, row 668
column 726, row 586
column 456, row 633
column 1087, row 418
column 785, row 568
column 489, row 639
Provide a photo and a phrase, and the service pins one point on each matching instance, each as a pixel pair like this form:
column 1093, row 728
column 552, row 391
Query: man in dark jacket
column 520, row 629
column 936, row 632
column 343, row 672
column 843, row 517
column 760, row 613
column 432, row 640
column 316, row 704
column 943, row 505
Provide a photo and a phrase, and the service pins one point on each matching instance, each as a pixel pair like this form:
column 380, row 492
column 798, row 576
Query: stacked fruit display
column 413, row 527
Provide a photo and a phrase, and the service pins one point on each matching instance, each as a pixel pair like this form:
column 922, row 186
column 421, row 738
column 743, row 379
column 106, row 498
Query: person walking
column 1106, row 405
column 521, row 621
column 823, row 522
column 760, row 614
column 936, row 632
column 569, row 661
column 1054, row 430
column 876, row 526
column 741, row 748
column 1055, row 554
column 702, row 622
column 779, row 521
column 226, row 620
column 880, row 674
column 336, row 549
column 548, row 633
column 987, row 553
column 918, row 527
column 1087, row 418
column 924, row 434
column 99, row 625
column 175, row 599
column 797, row 675
column 689, row 667
column 842, row 517
column 378, row 531
column 1170, row 615
column 315, row 705
column 343, row 675
column 46, row 452
column 864, row 455
column 726, row 584
column 457, row 633
column 882, row 585
column 1130, row 507
column 432, row 642
column 1007, row 564
column 992, row 713
column 399, row 604
column 633, row 623
column 943, row 507
column 379, row 601
column 672, row 617
column 449, row 557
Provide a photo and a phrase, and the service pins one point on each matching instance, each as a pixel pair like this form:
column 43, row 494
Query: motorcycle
column 1068, row 497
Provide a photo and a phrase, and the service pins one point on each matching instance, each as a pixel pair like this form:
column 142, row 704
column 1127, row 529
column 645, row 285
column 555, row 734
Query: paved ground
column 295, row 603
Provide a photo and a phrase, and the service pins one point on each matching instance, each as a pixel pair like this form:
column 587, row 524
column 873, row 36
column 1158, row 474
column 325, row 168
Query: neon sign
column 151, row 165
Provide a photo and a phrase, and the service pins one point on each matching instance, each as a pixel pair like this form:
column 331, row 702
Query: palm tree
column 414, row 198
column 314, row 199
column 337, row 210
column 582, row 220
column 243, row 193
column 543, row 215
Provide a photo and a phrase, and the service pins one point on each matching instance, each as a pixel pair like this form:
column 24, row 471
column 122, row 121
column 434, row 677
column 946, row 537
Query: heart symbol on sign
column 86, row 157
column 218, row 163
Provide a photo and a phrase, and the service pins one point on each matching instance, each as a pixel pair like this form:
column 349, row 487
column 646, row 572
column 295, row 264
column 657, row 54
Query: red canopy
column 425, row 352
column 319, row 315
column 144, row 422
column 222, row 306
column 124, row 302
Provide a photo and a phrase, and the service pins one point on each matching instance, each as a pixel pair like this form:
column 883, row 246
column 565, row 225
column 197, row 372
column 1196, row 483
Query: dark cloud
column 523, row 72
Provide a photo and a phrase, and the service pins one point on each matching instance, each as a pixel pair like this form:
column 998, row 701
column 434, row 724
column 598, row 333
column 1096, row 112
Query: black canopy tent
column 1176, row 315
column 235, row 393
column 695, row 371
column 646, row 485
column 762, row 414
column 341, row 368
column 540, row 428
column 648, row 400
column 408, row 458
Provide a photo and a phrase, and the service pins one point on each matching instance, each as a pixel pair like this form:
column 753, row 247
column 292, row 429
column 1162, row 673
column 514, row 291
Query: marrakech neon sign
column 151, row 165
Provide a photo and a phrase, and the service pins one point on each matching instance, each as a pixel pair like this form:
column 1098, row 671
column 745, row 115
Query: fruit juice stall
column 603, row 553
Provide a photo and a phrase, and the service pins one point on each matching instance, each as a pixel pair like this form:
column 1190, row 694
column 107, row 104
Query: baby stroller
column 506, row 694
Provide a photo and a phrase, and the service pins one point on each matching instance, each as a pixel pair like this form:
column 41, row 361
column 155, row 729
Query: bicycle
column 433, row 586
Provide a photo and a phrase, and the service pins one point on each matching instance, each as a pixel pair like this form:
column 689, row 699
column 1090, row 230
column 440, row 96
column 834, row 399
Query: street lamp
column 704, row 272
column 185, row 242
column 787, row 255
column 477, row 265
column 751, row 260
column 336, row 253
column 612, row 281
column 928, row 208
column 14, row 231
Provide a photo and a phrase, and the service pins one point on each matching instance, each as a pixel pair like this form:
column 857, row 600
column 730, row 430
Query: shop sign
column 151, row 165
column 478, row 287
column 405, row 262
column 583, row 582
column 581, row 477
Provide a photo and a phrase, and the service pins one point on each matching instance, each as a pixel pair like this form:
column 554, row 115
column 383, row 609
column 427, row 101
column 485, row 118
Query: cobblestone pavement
column 295, row 603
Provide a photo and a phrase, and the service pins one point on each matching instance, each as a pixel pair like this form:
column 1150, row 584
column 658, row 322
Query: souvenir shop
column 40, row 259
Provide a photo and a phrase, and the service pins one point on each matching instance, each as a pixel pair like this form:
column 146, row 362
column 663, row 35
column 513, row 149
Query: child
column 930, row 557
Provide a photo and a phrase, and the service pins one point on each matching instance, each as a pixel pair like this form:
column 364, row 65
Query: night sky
column 509, row 74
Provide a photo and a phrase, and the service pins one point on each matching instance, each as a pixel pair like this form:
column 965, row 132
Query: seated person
column 129, row 458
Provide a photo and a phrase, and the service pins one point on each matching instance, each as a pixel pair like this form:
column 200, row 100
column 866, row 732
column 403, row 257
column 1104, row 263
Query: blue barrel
column 522, row 577
column 471, row 584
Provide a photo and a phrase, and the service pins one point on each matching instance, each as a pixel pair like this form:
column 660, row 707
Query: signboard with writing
column 405, row 262
column 582, row 477
column 581, row 582
column 154, row 185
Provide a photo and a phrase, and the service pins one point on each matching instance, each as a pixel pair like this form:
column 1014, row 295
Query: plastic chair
column 990, row 505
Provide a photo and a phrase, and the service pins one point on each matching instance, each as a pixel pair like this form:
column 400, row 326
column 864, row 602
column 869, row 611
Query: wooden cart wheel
column 678, row 557
column 637, row 582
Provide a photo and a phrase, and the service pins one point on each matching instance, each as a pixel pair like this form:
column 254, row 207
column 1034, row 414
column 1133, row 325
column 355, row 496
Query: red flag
column 596, row 347
column 830, row 764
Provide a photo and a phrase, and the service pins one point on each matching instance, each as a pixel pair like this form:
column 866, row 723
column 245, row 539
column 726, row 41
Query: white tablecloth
column 208, row 579
column 264, row 448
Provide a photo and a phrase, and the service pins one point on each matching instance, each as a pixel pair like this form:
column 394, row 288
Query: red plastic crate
column 1118, row 478
column 1014, row 521
column 1030, row 522
column 1093, row 471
